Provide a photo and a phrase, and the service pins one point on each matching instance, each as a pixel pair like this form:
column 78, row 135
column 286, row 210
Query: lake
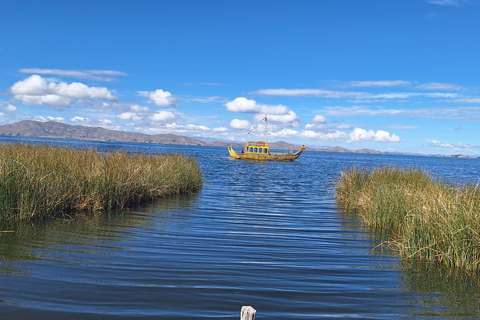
column 269, row 235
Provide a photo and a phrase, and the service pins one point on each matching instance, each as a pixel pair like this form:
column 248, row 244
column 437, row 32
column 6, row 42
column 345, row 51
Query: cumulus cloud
column 163, row 116
column 138, row 108
column 359, row 134
column 285, row 133
column 244, row 105
column 79, row 119
column 7, row 107
column 97, row 75
column 288, row 117
column 38, row 90
column 319, row 119
column 240, row 124
column 48, row 118
column 160, row 98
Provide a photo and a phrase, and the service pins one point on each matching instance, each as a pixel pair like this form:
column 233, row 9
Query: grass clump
column 43, row 181
column 427, row 219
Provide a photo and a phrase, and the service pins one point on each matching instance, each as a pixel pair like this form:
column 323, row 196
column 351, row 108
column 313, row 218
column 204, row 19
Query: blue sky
column 387, row 75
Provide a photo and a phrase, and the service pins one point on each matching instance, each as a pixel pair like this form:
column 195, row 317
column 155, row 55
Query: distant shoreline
column 57, row 130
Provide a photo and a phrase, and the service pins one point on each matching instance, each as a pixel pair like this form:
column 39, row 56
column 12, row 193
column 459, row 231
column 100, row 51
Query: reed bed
column 44, row 181
column 427, row 219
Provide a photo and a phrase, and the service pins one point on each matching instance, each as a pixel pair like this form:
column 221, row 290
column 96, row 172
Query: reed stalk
column 44, row 181
column 427, row 219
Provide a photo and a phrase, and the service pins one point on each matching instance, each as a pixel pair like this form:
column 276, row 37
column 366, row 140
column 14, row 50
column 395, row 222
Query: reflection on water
column 442, row 291
column 27, row 239
column 263, row 234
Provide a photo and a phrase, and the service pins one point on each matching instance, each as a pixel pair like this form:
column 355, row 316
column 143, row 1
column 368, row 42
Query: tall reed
column 427, row 219
column 42, row 181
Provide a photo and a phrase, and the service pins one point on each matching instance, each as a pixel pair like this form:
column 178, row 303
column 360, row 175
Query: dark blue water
column 268, row 235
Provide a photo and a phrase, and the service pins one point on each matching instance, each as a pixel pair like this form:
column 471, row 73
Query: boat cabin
column 257, row 147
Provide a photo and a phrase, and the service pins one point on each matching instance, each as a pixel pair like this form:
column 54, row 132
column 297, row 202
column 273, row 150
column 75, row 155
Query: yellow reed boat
column 260, row 151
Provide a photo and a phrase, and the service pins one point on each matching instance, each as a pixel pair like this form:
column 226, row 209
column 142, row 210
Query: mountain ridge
column 58, row 130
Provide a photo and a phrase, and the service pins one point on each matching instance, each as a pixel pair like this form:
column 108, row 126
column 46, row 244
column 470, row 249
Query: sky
column 394, row 76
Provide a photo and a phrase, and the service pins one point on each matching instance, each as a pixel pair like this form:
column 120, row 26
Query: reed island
column 426, row 219
column 38, row 182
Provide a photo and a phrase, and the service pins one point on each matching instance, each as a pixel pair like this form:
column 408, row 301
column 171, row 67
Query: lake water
column 269, row 235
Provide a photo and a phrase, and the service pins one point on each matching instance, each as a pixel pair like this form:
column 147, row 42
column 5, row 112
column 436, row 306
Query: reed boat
column 260, row 151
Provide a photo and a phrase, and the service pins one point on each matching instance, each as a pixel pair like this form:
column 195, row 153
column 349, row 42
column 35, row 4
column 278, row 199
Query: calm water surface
column 263, row 234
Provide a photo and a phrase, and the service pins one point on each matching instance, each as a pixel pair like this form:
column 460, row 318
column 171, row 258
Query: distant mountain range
column 57, row 130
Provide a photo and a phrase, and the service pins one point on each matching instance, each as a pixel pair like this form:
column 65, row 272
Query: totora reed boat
column 260, row 151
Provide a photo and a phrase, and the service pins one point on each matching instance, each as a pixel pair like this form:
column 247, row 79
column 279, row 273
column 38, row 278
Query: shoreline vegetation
column 426, row 219
column 37, row 182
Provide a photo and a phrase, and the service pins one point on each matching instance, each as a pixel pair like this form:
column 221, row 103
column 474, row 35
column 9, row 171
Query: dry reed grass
column 44, row 181
column 427, row 219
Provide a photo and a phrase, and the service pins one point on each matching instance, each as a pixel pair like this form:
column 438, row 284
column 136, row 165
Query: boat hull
column 270, row 156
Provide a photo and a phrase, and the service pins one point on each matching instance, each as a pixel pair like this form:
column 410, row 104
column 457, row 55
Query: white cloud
column 401, row 127
column 288, row 117
column 360, row 111
column 2, row 114
column 453, row 3
column 214, row 99
column 240, row 124
column 285, row 133
column 244, row 105
column 160, row 98
column 48, row 99
column 382, row 84
column 359, row 134
column 440, row 86
column 455, row 146
column 450, row 113
column 130, row 116
column 319, row 119
column 78, row 119
column 197, row 127
column 163, row 116
column 37, row 90
column 307, row 92
column 90, row 122
column 344, row 126
column 220, row 129
column 138, row 108
column 97, row 75
column 407, row 95
column 467, row 100
column 105, row 121
column 48, row 118
column 7, row 107
column 324, row 135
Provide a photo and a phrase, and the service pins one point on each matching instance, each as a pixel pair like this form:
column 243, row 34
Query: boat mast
column 266, row 129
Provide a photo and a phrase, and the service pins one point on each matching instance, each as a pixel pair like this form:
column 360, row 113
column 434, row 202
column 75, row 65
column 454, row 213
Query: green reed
column 427, row 219
column 44, row 181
